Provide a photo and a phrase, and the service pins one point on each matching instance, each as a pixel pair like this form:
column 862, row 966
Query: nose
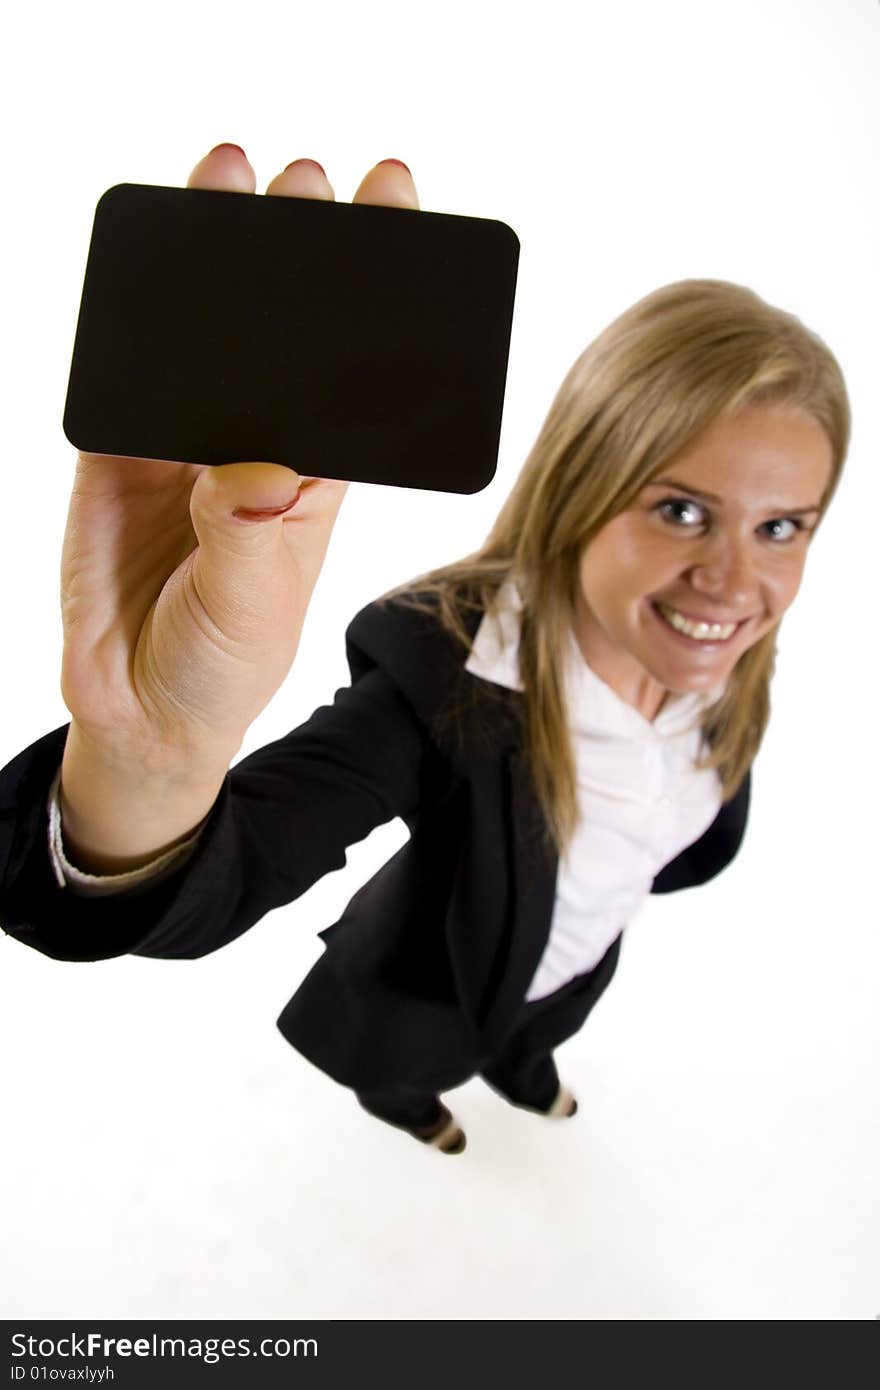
column 726, row 572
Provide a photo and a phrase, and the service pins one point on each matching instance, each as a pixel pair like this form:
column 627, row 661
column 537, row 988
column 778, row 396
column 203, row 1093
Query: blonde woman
column 564, row 720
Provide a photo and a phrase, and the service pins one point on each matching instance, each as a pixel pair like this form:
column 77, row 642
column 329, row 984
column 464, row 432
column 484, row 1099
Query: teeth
column 704, row 632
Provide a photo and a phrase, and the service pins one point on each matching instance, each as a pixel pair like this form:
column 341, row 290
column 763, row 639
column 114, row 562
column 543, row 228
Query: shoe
column 563, row 1107
column 444, row 1134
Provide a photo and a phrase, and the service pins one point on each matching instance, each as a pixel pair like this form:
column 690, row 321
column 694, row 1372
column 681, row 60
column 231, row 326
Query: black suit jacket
column 430, row 961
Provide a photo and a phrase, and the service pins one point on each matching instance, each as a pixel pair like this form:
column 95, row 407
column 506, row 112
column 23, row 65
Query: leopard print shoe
column 563, row 1107
column 444, row 1134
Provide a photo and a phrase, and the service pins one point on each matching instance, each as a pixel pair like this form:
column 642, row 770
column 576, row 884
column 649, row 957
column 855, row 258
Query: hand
column 181, row 616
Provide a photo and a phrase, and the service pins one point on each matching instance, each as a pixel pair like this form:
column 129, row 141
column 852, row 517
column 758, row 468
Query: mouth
column 699, row 632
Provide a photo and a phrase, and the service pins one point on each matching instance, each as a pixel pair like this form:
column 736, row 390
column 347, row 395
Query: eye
column 783, row 528
column 683, row 512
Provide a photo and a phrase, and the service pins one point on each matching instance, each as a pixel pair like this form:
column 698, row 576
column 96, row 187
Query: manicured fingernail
column 313, row 162
column 399, row 162
column 237, row 148
column 263, row 513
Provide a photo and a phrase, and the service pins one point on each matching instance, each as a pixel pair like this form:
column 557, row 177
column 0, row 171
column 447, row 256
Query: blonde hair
column 639, row 395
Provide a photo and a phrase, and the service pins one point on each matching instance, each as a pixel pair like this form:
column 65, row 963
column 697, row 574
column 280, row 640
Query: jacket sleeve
column 283, row 818
column 713, row 851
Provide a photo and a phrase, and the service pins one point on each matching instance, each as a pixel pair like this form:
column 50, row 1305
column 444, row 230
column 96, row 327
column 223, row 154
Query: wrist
column 152, row 760
column 122, row 804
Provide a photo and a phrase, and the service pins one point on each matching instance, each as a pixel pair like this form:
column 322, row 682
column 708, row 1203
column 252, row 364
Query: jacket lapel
column 533, row 862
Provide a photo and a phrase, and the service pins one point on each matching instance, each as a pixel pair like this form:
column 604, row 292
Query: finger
column 256, row 486
column 236, row 566
column 390, row 183
column 304, row 178
column 226, row 168
column 243, row 516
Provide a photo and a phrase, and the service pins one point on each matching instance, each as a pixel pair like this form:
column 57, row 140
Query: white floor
column 167, row 1155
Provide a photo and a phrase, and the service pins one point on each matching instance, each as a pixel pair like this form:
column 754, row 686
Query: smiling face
column 707, row 558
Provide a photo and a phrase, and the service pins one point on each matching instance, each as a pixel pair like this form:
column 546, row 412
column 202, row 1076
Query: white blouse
column 640, row 797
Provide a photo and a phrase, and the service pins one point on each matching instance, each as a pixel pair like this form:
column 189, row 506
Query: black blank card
column 345, row 341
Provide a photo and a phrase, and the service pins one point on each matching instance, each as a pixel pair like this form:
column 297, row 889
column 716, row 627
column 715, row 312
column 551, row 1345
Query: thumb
column 235, row 492
column 236, row 511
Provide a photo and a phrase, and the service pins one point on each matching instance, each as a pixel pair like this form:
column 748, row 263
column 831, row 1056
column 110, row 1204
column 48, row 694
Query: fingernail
column 399, row 162
column 306, row 161
column 263, row 513
column 237, row 148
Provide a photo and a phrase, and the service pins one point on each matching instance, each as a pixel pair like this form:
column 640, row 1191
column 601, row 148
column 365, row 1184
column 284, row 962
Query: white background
column 166, row 1154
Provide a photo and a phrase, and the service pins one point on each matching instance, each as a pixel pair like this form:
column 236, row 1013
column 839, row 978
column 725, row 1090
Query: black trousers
column 523, row 1069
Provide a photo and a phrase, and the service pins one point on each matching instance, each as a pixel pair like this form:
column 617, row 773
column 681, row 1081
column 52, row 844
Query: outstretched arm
column 283, row 818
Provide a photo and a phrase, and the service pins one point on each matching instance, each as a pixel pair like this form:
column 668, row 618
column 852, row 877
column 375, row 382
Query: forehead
column 760, row 453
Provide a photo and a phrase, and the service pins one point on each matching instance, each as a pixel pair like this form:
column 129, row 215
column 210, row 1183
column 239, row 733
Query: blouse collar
column 593, row 707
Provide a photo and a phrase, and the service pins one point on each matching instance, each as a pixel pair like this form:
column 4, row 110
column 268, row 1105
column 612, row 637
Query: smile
column 700, row 631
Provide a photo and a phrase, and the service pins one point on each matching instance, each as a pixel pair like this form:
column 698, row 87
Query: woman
column 565, row 720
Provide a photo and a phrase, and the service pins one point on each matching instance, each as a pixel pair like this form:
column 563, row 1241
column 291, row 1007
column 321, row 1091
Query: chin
column 694, row 681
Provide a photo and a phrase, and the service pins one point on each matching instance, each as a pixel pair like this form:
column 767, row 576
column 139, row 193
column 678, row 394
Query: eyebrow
column 713, row 497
